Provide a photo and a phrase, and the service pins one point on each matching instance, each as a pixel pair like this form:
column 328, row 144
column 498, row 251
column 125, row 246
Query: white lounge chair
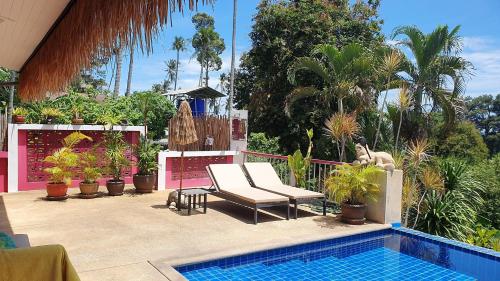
column 263, row 176
column 231, row 184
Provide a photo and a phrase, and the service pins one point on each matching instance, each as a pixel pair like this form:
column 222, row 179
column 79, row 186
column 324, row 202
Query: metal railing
column 318, row 172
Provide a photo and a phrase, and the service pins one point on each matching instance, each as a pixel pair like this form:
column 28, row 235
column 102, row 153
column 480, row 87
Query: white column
column 388, row 207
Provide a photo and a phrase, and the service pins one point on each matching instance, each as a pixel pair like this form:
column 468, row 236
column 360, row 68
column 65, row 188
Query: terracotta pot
column 144, row 183
column 353, row 214
column 57, row 189
column 89, row 188
column 77, row 121
column 19, row 119
column 115, row 187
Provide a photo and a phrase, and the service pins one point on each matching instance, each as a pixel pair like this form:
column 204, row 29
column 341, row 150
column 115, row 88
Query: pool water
column 392, row 254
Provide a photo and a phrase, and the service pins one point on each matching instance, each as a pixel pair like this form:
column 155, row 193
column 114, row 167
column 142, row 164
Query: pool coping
column 166, row 267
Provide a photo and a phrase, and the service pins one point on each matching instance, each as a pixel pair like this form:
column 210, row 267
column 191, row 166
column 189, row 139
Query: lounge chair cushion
column 231, row 180
column 255, row 195
column 264, row 177
column 229, row 177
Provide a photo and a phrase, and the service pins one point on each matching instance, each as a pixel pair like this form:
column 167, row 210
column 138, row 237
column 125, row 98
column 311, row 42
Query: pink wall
column 132, row 138
column 3, row 171
column 195, row 174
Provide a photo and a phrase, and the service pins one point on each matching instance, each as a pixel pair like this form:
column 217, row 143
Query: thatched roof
column 92, row 28
column 185, row 132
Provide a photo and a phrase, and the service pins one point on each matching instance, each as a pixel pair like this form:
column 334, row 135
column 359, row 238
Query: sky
column 479, row 20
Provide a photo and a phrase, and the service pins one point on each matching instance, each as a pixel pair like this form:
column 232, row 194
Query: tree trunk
column 130, row 68
column 200, row 83
column 399, row 127
column 233, row 58
column 118, row 76
column 176, row 70
column 381, row 114
column 206, row 75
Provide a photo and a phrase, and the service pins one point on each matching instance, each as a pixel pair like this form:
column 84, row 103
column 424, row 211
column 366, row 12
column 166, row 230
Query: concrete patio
column 119, row 238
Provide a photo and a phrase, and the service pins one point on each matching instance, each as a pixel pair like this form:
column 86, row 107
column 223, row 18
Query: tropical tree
column 387, row 68
column 208, row 45
column 170, row 69
column 435, row 64
column 404, row 102
column 342, row 73
column 118, row 74
column 179, row 45
column 130, row 67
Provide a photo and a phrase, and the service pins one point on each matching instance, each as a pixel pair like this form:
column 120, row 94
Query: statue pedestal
column 388, row 207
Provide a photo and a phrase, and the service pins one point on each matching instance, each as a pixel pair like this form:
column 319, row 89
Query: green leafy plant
column 20, row 111
column 146, row 152
column 353, row 184
column 51, row 112
column 485, row 237
column 299, row 165
column 115, row 153
column 64, row 159
column 90, row 171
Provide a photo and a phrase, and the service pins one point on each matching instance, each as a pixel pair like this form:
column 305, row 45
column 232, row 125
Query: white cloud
column 486, row 78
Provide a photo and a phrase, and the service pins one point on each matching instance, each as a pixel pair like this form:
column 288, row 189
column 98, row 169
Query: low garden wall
column 29, row 144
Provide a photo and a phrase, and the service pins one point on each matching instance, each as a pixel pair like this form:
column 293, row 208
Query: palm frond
column 309, row 64
column 298, row 94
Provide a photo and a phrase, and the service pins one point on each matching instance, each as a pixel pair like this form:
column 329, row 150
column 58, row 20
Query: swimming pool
column 390, row 254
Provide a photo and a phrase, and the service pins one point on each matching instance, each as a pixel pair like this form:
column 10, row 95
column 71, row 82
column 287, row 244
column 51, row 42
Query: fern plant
column 353, row 184
column 64, row 159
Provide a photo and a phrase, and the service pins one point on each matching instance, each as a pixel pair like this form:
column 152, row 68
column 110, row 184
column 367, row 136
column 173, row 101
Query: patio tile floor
column 113, row 238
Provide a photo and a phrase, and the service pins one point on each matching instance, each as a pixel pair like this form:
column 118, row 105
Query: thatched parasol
column 185, row 134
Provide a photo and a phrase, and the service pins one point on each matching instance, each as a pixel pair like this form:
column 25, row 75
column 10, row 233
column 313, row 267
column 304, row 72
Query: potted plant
column 115, row 153
column 90, row 174
column 146, row 153
column 62, row 162
column 353, row 186
column 50, row 114
column 77, row 119
column 19, row 115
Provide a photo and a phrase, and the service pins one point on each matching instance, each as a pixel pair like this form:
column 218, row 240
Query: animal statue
column 172, row 200
column 381, row 159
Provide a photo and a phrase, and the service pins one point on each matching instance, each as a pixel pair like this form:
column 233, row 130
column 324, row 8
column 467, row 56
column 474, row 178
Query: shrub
column 487, row 172
column 464, row 142
column 260, row 143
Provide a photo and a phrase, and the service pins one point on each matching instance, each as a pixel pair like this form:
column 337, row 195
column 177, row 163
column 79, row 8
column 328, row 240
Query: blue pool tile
column 395, row 254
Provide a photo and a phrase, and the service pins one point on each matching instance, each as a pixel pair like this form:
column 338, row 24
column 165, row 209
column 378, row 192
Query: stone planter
column 144, row 183
column 115, row 187
column 353, row 214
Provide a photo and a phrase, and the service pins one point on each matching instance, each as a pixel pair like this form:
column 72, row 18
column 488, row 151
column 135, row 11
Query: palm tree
column 404, row 103
column 118, row 76
column 130, row 67
column 341, row 71
column 435, row 62
column 171, row 67
column 179, row 45
column 233, row 59
column 388, row 67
